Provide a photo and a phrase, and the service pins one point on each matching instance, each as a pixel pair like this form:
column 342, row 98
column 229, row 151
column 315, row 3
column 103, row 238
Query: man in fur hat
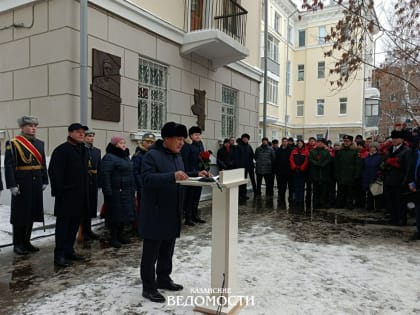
column 26, row 177
column 160, row 215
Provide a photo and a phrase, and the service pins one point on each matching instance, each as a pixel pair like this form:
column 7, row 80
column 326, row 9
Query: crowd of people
column 321, row 174
column 142, row 191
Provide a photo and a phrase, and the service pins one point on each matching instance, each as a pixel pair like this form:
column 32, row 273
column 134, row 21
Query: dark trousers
column 284, row 182
column 299, row 184
column 345, row 196
column 21, row 235
column 308, row 197
column 156, row 253
column 418, row 217
column 242, row 188
column 269, row 183
column 65, row 235
column 192, row 197
column 320, row 192
column 394, row 203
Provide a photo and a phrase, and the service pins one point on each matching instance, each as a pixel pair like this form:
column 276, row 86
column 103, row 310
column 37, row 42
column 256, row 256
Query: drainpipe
column 265, row 68
column 83, row 61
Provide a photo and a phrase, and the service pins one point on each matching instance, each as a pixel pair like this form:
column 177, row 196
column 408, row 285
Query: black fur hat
column 172, row 129
column 194, row 129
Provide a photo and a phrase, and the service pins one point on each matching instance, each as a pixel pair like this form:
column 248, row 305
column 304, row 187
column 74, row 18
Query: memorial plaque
column 106, row 83
column 199, row 108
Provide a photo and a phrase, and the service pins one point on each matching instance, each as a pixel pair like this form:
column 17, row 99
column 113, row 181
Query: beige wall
column 172, row 12
column 253, row 31
column 40, row 74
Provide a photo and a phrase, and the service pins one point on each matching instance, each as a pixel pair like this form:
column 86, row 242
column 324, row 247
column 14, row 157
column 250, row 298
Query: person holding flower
column 395, row 169
column 195, row 159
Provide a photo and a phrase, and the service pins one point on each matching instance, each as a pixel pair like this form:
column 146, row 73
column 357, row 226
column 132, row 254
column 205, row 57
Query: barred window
column 229, row 107
column 152, row 95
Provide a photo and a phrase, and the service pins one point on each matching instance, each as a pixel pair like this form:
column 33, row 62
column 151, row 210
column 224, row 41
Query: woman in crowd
column 118, row 187
column 299, row 162
column 370, row 172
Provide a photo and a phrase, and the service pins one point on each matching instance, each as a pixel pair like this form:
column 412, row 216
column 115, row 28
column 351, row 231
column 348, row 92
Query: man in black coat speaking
column 68, row 171
column 161, row 214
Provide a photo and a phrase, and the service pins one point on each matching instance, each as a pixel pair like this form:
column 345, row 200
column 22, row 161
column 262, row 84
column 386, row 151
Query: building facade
column 300, row 100
column 184, row 61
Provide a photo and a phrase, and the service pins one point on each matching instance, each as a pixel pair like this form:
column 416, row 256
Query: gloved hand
column 44, row 186
column 15, row 191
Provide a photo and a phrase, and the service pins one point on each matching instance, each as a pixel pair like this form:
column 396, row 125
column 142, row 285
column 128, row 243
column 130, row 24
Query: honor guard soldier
column 26, row 177
column 94, row 165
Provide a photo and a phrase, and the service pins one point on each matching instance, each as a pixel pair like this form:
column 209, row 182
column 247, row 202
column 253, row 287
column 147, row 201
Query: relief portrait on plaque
column 106, row 85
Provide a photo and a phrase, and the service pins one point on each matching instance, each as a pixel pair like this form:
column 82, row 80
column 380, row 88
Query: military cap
column 27, row 120
column 173, row 129
column 148, row 136
column 323, row 140
column 348, row 137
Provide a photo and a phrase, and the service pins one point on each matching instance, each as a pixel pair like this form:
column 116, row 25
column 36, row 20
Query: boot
column 121, row 237
column 87, row 231
column 27, row 242
column 114, row 237
column 18, row 240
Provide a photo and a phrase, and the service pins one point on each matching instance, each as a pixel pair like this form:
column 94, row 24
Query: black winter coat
column 244, row 156
column 191, row 156
column 118, row 186
column 264, row 160
column 282, row 162
column 225, row 158
column 68, row 171
column 94, row 166
column 27, row 207
column 398, row 176
column 160, row 215
column 137, row 158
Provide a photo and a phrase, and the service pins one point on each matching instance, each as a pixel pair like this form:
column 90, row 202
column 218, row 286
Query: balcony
column 217, row 31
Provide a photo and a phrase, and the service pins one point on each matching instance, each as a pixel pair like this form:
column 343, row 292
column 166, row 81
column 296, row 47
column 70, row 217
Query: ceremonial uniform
column 26, row 176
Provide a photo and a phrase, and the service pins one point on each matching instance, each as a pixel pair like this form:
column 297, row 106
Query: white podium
column 224, row 243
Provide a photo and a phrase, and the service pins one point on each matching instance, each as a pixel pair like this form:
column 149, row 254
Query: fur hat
column 194, row 129
column 89, row 132
column 27, row 120
column 397, row 134
column 116, row 139
column 173, row 129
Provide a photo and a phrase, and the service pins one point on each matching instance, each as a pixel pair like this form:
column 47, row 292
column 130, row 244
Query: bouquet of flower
column 204, row 163
column 390, row 163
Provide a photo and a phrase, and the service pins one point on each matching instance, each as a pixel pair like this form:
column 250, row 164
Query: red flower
column 394, row 162
column 205, row 155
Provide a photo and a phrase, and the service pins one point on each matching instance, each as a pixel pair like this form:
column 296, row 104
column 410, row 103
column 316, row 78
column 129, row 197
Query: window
column 319, row 136
column 152, row 95
column 341, row 136
column 320, row 107
column 372, row 109
column 321, row 69
column 301, row 72
column 277, row 22
column 322, row 33
column 343, row 105
column 272, row 91
column 289, row 79
column 299, row 108
column 273, row 48
column 274, row 134
column 302, row 35
column 229, row 106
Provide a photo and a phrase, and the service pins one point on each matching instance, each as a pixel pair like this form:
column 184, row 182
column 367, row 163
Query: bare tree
column 352, row 33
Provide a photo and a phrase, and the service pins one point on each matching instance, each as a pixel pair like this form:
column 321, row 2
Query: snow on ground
column 290, row 264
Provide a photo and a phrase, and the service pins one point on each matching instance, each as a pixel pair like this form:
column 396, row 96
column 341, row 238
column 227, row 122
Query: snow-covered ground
column 290, row 264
